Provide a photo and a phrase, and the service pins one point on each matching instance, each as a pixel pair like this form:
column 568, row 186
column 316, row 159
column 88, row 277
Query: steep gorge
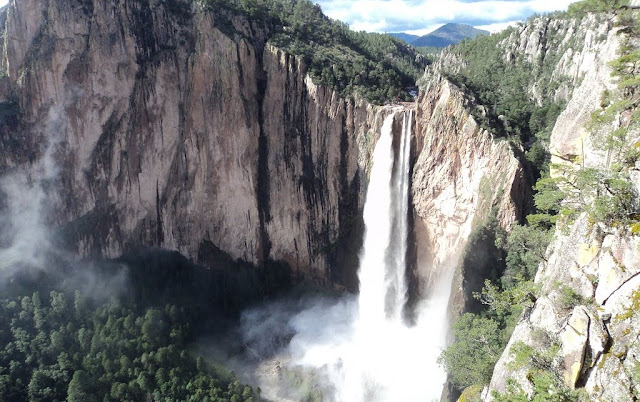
column 563, row 61
column 587, row 309
column 190, row 131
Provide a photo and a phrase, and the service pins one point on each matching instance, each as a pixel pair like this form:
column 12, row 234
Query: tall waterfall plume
column 383, row 286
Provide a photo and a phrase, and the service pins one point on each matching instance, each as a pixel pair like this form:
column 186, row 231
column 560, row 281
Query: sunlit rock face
column 461, row 176
column 598, row 339
column 173, row 133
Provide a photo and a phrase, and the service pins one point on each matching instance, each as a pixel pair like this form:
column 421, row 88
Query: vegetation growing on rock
column 607, row 193
column 376, row 66
column 497, row 80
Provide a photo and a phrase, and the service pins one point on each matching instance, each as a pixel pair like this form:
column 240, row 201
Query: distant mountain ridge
column 404, row 36
column 448, row 34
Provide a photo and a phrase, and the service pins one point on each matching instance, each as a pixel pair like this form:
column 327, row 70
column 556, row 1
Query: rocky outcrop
column 590, row 282
column 184, row 129
column 561, row 50
column 558, row 53
column 464, row 175
column 570, row 140
column 588, row 307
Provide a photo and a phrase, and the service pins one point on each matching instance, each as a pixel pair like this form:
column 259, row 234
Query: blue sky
column 423, row 16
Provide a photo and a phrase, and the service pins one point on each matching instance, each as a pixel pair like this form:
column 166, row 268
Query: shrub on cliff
column 476, row 348
column 595, row 6
column 497, row 79
column 606, row 192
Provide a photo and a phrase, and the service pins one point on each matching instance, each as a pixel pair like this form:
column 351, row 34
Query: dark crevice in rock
column 594, row 360
column 619, row 287
column 262, row 191
column 587, row 357
column 241, row 82
column 312, row 180
column 99, row 171
column 543, row 42
column 15, row 146
column 159, row 232
column 142, row 23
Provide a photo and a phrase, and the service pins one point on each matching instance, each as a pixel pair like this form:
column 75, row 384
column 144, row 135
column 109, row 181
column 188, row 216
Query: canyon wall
column 466, row 175
column 184, row 130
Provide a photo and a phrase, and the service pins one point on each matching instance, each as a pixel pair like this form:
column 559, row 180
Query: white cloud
column 369, row 26
column 412, row 15
column 497, row 26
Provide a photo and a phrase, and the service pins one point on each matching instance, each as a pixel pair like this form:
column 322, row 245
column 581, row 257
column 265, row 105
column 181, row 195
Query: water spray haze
column 28, row 195
column 25, row 239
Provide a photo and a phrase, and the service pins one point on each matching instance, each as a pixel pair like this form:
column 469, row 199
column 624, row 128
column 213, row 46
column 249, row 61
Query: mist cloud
column 28, row 194
column 25, row 194
column 297, row 347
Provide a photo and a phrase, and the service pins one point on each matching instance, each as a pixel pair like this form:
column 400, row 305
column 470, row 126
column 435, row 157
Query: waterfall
column 383, row 286
column 377, row 212
column 388, row 360
column 397, row 256
column 362, row 349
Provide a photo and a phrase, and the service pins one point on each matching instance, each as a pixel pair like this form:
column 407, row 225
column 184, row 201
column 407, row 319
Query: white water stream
column 383, row 261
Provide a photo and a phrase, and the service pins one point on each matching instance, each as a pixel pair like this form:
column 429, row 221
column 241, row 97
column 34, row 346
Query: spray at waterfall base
column 360, row 348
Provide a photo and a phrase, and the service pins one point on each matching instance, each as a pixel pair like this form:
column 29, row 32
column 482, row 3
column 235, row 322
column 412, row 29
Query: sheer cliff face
column 597, row 332
column 568, row 47
column 460, row 175
column 168, row 132
column 558, row 52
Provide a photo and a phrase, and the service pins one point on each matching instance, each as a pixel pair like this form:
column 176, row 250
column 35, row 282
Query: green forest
column 378, row 67
column 55, row 347
column 128, row 337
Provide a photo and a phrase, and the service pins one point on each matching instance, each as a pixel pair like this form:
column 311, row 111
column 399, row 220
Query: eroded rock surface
column 186, row 131
column 461, row 173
